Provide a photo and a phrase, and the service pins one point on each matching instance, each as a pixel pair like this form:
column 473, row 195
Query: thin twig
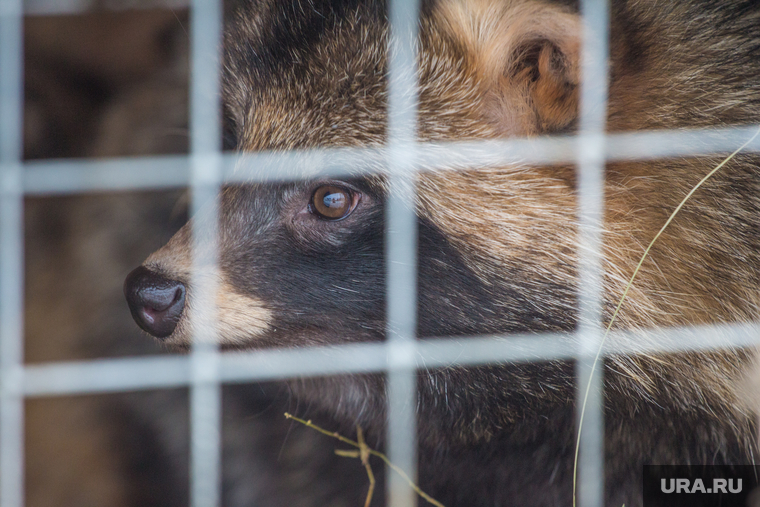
column 625, row 293
column 369, row 450
column 364, row 455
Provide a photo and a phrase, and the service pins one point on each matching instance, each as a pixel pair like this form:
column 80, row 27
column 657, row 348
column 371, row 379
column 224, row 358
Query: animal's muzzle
column 156, row 302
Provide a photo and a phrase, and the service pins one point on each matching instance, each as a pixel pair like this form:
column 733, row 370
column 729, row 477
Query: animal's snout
column 156, row 302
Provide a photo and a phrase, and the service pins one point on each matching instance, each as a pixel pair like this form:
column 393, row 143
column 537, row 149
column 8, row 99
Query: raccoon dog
column 301, row 263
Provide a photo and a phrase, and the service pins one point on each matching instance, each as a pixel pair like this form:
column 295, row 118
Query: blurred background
column 100, row 82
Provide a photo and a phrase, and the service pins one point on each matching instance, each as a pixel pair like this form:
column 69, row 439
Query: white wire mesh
column 131, row 374
column 206, row 168
column 205, row 148
column 52, row 177
column 11, row 257
column 54, row 7
column 401, row 253
column 591, row 149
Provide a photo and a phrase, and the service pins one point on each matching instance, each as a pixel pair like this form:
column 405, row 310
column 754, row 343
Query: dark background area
column 100, row 84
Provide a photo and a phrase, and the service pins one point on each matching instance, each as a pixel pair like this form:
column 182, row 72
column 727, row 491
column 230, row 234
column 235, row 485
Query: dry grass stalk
column 363, row 453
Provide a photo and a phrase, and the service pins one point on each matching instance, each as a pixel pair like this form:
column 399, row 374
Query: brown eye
column 331, row 202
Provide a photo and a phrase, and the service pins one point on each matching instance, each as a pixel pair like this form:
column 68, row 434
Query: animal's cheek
column 239, row 320
column 312, row 236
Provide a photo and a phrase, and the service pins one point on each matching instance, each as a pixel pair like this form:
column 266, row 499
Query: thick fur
column 498, row 247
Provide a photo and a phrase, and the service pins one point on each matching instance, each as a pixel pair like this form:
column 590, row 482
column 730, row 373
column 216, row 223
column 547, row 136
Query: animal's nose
column 156, row 302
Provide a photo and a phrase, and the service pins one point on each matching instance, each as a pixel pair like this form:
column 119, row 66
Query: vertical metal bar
column 401, row 250
column 205, row 136
column 591, row 153
column 11, row 256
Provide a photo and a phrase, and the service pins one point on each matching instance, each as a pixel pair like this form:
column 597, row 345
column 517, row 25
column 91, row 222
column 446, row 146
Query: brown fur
column 470, row 62
column 678, row 285
column 494, row 69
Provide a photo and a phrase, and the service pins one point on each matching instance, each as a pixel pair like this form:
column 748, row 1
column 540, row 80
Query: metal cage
column 206, row 167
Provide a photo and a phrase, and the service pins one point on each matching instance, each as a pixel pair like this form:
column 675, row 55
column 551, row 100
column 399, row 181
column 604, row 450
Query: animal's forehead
column 303, row 74
column 310, row 73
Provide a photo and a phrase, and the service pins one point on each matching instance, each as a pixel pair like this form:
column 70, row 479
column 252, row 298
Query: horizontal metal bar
column 319, row 361
column 106, row 375
column 143, row 173
column 66, row 176
column 161, row 372
column 55, row 7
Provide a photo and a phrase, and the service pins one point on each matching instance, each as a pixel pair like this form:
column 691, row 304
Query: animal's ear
column 527, row 58
column 545, row 72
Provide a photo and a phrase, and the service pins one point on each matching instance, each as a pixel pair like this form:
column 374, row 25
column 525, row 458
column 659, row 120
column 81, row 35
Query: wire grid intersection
column 206, row 168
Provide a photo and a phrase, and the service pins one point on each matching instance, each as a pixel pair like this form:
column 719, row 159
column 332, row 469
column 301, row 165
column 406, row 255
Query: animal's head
column 302, row 262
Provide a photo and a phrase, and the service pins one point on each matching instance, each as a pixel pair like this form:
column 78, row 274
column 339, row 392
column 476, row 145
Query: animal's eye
column 331, row 202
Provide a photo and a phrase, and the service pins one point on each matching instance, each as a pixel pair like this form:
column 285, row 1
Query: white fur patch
column 237, row 319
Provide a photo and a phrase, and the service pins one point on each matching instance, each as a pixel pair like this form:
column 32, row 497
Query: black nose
column 156, row 302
